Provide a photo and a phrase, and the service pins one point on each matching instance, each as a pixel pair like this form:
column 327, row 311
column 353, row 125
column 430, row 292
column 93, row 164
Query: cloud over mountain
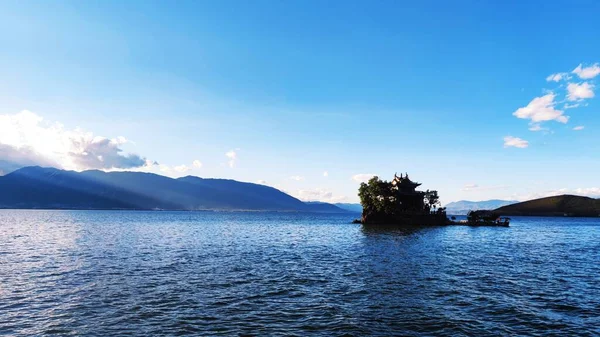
column 102, row 153
column 26, row 139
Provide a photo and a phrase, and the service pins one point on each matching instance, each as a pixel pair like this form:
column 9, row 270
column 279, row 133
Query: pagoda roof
column 404, row 180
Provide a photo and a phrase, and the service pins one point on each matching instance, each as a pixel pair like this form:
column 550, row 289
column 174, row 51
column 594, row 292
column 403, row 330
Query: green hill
column 562, row 205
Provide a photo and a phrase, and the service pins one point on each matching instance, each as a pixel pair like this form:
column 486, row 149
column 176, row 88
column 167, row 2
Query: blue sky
column 283, row 91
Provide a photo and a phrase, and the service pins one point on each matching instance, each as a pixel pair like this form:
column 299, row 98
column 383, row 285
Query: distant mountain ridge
column 50, row 188
column 350, row 207
column 318, row 206
column 464, row 206
column 562, row 205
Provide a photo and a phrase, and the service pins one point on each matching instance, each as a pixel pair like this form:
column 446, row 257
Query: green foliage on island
column 562, row 205
column 398, row 201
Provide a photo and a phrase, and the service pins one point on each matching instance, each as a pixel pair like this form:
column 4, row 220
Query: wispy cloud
column 297, row 178
column 470, row 187
column 476, row 188
column 325, row 174
column 510, row 141
column 166, row 169
column 536, row 127
column 558, row 77
column 182, row 168
column 232, row 155
column 362, row 177
column 593, row 192
column 579, row 128
column 571, row 105
column 587, row 72
column 319, row 194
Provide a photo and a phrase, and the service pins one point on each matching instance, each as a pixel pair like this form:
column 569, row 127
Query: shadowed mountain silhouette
column 37, row 187
column 562, row 205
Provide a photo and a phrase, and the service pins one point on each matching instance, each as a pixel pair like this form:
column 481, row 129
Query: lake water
column 111, row 273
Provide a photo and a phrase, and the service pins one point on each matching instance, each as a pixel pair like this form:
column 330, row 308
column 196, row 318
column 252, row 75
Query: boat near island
column 483, row 218
column 398, row 202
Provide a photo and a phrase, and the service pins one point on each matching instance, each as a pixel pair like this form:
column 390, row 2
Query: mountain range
column 50, row 188
column 464, row 206
column 357, row 208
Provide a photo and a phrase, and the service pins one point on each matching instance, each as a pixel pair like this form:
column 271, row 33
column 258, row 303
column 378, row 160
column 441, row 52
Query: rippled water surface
column 203, row 273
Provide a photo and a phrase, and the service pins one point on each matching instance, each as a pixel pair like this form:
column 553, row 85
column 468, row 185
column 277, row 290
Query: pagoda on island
column 399, row 203
column 406, row 195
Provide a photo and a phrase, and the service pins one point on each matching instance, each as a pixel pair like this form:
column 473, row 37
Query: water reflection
column 206, row 273
column 398, row 230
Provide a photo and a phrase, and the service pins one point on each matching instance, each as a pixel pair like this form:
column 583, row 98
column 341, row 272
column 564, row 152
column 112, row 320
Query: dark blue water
column 107, row 273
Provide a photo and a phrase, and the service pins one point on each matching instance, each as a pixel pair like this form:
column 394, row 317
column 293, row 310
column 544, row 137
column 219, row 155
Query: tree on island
column 397, row 201
column 376, row 196
column 432, row 200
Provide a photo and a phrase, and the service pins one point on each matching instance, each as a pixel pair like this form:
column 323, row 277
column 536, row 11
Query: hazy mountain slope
column 317, row 206
column 464, row 206
column 350, row 207
column 36, row 187
column 253, row 196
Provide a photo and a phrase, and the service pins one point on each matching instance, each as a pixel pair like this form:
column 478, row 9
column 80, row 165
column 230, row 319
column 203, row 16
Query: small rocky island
column 399, row 203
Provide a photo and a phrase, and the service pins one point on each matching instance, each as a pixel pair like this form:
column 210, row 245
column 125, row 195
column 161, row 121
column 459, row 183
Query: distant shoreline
column 174, row 210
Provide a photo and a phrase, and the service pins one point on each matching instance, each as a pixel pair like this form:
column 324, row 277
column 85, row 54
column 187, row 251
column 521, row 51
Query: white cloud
column 182, row 168
column 536, row 127
column 510, row 141
column 541, row 109
column 587, row 72
column 536, row 195
column 297, row 178
column 261, row 182
column 362, row 177
column 577, row 92
column 232, row 155
column 558, row 77
column 572, row 106
column 588, row 191
column 469, row 187
column 13, row 158
column 545, row 108
column 476, row 188
column 102, row 153
column 579, row 128
column 319, row 194
column 34, row 141
column 325, row 174
column 197, row 164
column 593, row 192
